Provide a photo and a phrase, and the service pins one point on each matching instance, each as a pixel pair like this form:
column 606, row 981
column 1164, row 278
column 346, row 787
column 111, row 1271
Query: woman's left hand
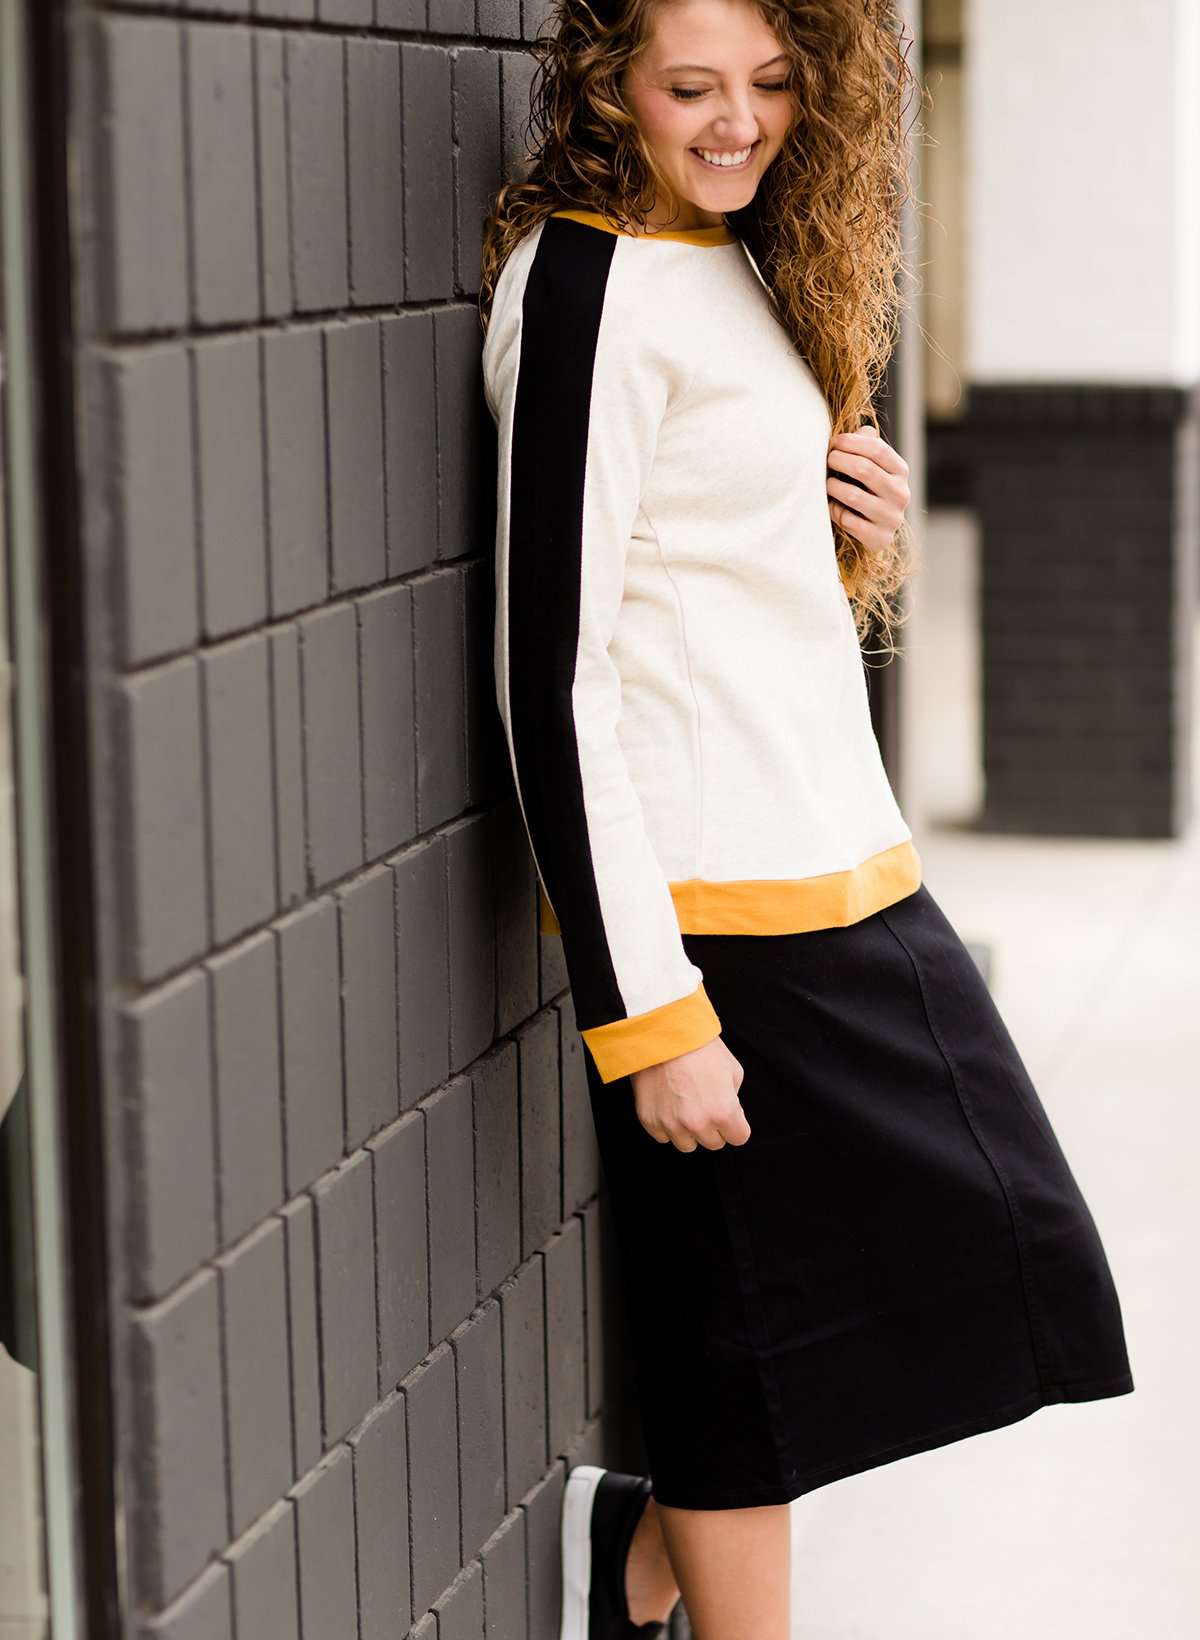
column 866, row 456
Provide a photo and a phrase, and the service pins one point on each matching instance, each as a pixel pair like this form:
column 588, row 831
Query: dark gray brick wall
column 362, row 1316
column 1087, row 503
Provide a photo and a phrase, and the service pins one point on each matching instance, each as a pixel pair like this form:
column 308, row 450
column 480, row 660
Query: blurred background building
column 305, row 1283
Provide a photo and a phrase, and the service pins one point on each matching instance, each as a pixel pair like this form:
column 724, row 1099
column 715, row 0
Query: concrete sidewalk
column 1080, row 1522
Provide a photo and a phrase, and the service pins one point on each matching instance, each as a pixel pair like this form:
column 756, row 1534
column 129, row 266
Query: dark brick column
column 359, row 1269
column 1087, row 502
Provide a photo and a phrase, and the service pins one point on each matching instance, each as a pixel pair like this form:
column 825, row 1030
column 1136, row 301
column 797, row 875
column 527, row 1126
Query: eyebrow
column 699, row 68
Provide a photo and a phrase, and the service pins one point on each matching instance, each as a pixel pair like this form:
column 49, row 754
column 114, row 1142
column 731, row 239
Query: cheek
column 783, row 118
column 666, row 125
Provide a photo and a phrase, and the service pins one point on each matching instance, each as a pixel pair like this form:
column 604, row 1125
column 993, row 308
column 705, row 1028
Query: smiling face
column 710, row 98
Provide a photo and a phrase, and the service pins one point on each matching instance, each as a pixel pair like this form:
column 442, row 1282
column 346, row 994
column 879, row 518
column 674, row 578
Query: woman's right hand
column 693, row 1099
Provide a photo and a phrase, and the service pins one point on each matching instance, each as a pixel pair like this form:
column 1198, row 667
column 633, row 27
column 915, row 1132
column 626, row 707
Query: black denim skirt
column 898, row 1257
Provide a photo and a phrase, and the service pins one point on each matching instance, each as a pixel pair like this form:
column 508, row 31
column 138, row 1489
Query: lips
column 741, row 166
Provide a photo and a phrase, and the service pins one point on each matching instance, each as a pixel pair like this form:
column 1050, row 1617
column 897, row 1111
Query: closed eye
column 684, row 94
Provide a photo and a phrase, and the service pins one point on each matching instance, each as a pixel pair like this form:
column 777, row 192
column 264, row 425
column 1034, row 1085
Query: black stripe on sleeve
column 562, row 305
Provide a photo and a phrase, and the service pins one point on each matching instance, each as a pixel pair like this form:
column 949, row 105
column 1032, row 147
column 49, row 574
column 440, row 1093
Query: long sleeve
column 577, row 405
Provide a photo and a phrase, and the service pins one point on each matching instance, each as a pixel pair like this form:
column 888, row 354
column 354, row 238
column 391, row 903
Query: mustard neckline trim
column 720, row 234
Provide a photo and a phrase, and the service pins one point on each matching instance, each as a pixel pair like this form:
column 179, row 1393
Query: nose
column 736, row 125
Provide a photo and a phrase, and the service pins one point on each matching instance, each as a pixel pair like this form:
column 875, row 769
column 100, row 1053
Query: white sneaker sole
column 576, row 1534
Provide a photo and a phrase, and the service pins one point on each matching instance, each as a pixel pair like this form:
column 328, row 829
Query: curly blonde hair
column 824, row 223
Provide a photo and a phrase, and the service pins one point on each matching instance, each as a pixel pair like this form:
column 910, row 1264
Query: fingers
column 867, row 442
column 732, row 1129
column 870, row 506
column 882, row 483
column 871, row 510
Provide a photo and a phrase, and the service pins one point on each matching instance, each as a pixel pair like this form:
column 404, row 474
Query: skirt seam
column 771, row 1395
column 1015, row 1218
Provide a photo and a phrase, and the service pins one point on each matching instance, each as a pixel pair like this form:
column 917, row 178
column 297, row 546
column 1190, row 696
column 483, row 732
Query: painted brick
column 478, row 1358
column 381, row 1509
column 523, row 1310
column 588, row 1445
column 142, row 229
column 178, row 1514
column 452, row 16
column 254, row 479
column 163, row 820
column 541, row 1164
column 402, row 1246
column 375, row 146
column 311, row 1037
column 346, row 1287
column 465, row 431
column 409, row 402
column 433, row 1476
column 245, row 1011
column 389, row 745
column 224, row 205
column 303, row 1343
column 566, row 1358
column 517, row 936
column 516, row 79
column 274, row 221
column 535, row 14
column 580, row 1152
column 201, row 1612
column 472, row 940
column 233, row 552
column 145, row 406
column 296, row 485
column 288, row 764
column 285, row 10
column 317, row 171
column 262, row 1566
column 257, row 1395
column 422, row 968
column 594, row 1305
column 428, row 176
column 1106, row 753
column 406, row 14
column 241, row 827
column 354, row 390
column 552, row 967
column 356, row 12
column 450, row 1170
column 543, row 1560
column 367, row 930
column 475, row 77
column 332, row 771
column 460, row 1610
column 499, row 19
column 497, row 1167
column 325, row 1543
column 505, row 1606
column 488, row 778
column 169, row 1134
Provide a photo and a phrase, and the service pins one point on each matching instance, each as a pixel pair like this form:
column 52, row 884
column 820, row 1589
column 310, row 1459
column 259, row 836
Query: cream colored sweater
column 676, row 664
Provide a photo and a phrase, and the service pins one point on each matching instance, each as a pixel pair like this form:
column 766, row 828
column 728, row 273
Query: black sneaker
column 601, row 1509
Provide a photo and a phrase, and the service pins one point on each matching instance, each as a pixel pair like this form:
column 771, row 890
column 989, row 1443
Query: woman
column 848, row 1231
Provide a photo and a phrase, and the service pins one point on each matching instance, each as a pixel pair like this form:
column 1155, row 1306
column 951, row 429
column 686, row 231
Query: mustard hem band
column 786, row 905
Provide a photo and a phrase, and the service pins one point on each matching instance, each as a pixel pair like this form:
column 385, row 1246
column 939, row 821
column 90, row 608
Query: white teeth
column 739, row 158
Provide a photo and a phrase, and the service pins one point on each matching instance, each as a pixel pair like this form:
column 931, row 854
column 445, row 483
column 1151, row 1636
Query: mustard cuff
column 627, row 1045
